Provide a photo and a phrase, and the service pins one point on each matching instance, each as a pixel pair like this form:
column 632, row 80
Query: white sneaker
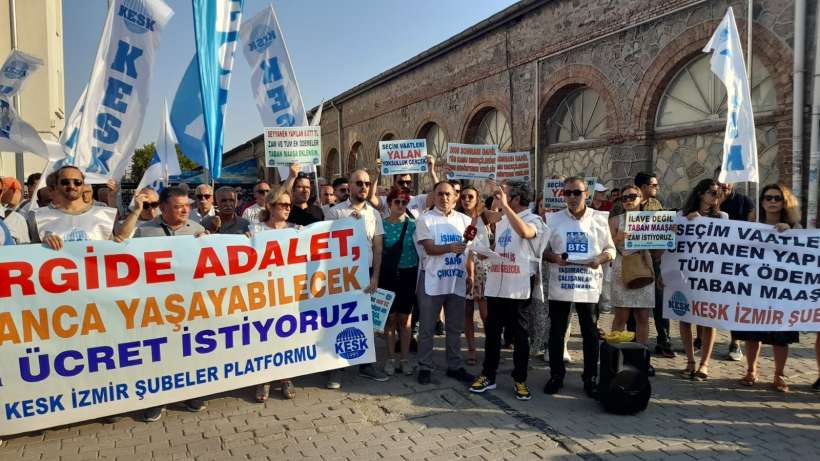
column 390, row 367
column 735, row 354
column 567, row 357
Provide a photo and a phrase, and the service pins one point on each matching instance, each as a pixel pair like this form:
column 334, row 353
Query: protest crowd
column 446, row 254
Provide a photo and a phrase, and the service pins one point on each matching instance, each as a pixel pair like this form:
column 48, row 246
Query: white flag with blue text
column 118, row 90
column 165, row 162
column 739, row 143
column 15, row 134
column 273, row 81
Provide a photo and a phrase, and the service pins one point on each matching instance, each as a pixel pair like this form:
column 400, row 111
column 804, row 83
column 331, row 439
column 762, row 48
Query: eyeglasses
column 66, row 181
column 363, row 183
column 573, row 192
column 405, row 183
column 400, row 202
column 262, row 191
column 773, row 198
column 203, row 196
column 149, row 205
column 629, row 197
column 281, row 204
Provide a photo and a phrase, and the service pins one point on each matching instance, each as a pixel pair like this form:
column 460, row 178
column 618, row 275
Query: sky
column 334, row 45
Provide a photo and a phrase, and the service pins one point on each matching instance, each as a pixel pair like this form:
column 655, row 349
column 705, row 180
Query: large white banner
column 739, row 142
column 118, row 90
column 102, row 328
column 735, row 275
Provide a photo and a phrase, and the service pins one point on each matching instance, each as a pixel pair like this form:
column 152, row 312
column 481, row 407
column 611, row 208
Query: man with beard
column 303, row 213
column 226, row 221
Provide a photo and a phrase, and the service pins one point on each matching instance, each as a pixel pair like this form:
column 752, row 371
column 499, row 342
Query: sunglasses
column 629, row 197
column 283, row 205
column 149, row 205
column 400, row 202
column 404, row 183
column 773, row 198
column 76, row 182
column 203, row 196
column 262, row 191
column 363, row 183
column 467, row 197
column 573, row 192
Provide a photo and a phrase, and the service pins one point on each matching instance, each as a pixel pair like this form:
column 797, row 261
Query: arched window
column 437, row 147
column 332, row 167
column 695, row 94
column 388, row 137
column 490, row 126
column 581, row 116
column 354, row 157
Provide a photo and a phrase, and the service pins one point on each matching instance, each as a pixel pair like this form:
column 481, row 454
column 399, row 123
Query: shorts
column 405, row 289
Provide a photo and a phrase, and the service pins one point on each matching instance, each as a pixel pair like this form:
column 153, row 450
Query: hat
column 600, row 187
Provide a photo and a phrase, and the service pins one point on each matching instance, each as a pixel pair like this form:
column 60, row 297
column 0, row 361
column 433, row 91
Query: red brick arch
column 569, row 78
column 680, row 51
column 487, row 102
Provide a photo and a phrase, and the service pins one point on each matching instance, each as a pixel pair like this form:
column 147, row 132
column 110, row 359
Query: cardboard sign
column 513, row 166
column 471, row 161
column 286, row 145
column 650, row 230
column 404, row 156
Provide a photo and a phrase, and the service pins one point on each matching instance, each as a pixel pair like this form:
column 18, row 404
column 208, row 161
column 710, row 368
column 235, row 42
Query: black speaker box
column 623, row 378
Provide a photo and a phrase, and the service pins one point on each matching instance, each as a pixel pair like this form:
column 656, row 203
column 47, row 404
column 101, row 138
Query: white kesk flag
column 739, row 143
column 165, row 161
column 117, row 96
column 272, row 79
column 15, row 134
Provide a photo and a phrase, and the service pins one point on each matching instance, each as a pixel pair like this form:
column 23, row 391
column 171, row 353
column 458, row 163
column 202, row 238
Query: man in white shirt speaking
column 440, row 233
column 508, row 288
column 579, row 243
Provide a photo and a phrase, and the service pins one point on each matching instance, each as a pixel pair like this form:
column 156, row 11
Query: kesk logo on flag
column 273, row 81
column 15, row 134
column 739, row 143
column 117, row 93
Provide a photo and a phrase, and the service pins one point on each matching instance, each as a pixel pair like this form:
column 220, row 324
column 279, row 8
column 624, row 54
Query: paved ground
column 400, row 419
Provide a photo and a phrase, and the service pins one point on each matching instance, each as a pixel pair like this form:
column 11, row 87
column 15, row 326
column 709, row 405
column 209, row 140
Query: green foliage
column 142, row 157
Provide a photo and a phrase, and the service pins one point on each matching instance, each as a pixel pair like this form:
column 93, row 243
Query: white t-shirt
column 414, row 206
column 373, row 225
column 582, row 240
column 196, row 216
column 443, row 274
column 96, row 223
column 509, row 277
column 251, row 213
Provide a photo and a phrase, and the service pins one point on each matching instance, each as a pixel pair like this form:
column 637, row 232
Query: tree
column 143, row 155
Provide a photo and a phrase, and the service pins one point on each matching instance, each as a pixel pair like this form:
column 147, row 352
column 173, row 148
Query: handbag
column 635, row 271
column 390, row 261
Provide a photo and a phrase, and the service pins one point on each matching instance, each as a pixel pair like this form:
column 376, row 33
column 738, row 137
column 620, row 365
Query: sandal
column 702, row 374
column 689, row 371
column 262, row 392
column 750, row 379
column 288, row 389
column 780, row 384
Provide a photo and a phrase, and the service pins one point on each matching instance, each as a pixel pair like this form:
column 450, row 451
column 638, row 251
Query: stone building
column 601, row 88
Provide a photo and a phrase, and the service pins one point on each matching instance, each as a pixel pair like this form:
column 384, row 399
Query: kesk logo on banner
column 118, row 90
column 403, row 156
column 739, row 142
column 121, row 327
column 735, row 275
column 471, row 161
column 513, row 165
column 287, row 145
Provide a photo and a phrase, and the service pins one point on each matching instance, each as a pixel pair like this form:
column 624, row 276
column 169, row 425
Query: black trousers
column 512, row 315
column 559, row 322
